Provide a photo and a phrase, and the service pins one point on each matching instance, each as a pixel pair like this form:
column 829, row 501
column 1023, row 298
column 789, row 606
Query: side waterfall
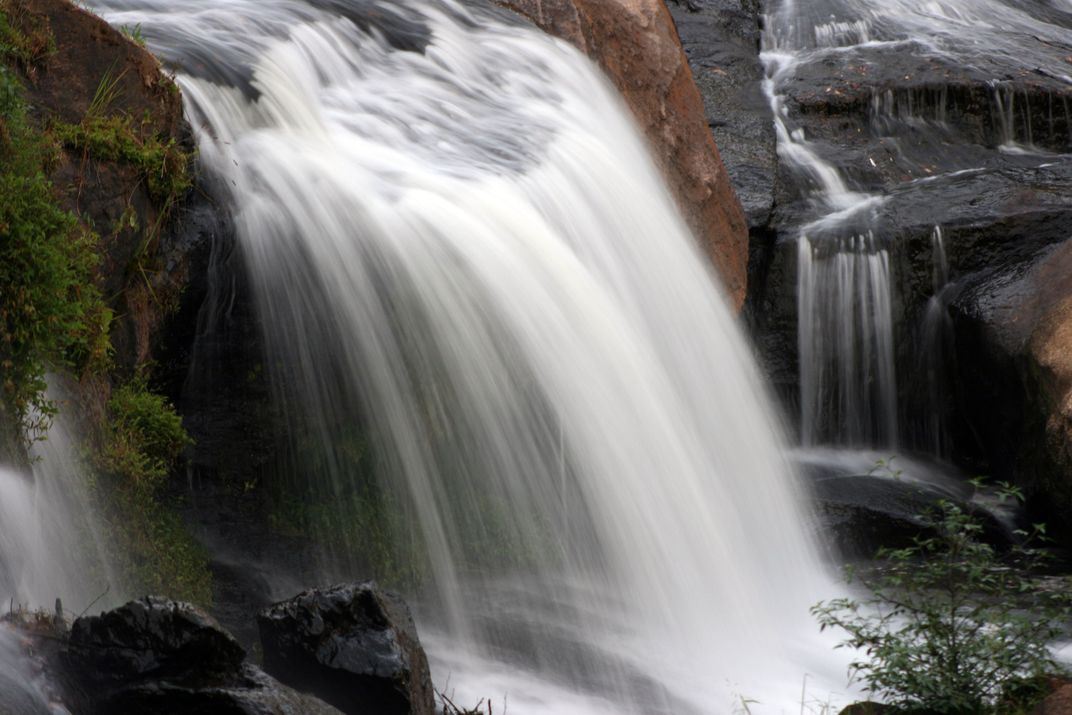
column 460, row 246
column 847, row 255
column 51, row 545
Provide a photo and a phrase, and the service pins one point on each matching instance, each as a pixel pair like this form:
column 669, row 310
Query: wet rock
column 866, row 709
column 353, row 645
column 160, row 656
column 1014, row 332
column 721, row 39
column 636, row 44
column 863, row 513
column 153, row 638
column 250, row 692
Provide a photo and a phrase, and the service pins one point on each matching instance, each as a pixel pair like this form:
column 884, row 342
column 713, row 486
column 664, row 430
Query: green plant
column 143, row 437
column 51, row 313
column 952, row 625
column 162, row 162
column 133, row 33
column 25, row 39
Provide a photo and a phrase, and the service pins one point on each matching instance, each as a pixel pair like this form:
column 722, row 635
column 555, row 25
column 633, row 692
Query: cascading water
column 461, row 249
column 51, row 545
column 847, row 305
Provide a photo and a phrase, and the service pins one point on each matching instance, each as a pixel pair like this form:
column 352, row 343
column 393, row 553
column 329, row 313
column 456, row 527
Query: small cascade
column 920, row 127
column 936, row 353
column 51, row 544
column 848, row 383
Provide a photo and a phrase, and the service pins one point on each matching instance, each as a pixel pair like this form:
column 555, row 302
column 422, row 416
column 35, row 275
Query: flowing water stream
column 460, row 248
column 847, row 302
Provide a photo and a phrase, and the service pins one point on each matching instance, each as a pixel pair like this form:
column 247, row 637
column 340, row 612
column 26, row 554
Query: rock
column 860, row 512
column 721, row 39
column 867, row 708
column 636, row 44
column 251, row 692
column 1059, row 702
column 153, row 638
column 353, row 645
column 109, row 195
column 159, row 656
column 1014, row 335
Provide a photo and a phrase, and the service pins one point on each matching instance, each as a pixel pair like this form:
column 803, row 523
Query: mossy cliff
column 95, row 169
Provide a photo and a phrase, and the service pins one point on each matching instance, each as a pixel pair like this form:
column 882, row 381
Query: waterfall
column 51, row 544
column 848, row 385
column 467, row 266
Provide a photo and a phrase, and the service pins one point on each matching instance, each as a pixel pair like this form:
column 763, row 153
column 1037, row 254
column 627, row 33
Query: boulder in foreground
column 353, row 645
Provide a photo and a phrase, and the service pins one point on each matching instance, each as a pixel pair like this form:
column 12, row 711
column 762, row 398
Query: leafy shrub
column 144, row 436
column 952, row 627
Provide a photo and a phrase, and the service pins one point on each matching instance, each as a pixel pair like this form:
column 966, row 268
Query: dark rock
column 251, row 692
column 1014, row 333
column 867, row 709
column 1059, row 702
column 158, row 656
column 637, row 45
column 863, row 506
column 153, row 638
column 721, row 39
column 353, row 645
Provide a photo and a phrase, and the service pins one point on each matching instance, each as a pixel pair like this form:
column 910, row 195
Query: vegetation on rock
column 143, row 437
column 52, row 315
column 54, row 318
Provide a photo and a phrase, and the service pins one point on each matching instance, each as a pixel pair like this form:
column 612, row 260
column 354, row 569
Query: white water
column 470, row 247
column 51, row 545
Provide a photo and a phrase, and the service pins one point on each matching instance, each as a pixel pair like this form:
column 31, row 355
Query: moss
column 51, row 313
column 25, row 40
column 162, row 162
column 143, row 437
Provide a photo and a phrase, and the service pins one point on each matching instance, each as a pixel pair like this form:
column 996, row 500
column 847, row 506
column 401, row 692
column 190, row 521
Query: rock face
column 159, row 656
column 721, row 39
column 1015, row 323
column 636, row 44
column 353, row 645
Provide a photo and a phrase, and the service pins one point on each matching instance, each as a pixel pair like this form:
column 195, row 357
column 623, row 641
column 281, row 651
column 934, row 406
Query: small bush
column 952, row 626
column 144, row 436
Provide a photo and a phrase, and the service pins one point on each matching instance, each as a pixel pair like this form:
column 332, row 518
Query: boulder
column 867, row 708
column 353, row 645
column 1059, row 702
column 159, row 656
column 637, row 45
column 152, row 638
column 1014, row 337
column 109, row 194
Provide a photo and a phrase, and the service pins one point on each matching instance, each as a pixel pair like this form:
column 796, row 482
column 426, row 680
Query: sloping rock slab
column 353, row 645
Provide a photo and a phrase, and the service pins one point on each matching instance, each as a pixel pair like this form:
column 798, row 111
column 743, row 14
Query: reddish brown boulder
column 93, row 69
column 1059, row 702
column 637, row 45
